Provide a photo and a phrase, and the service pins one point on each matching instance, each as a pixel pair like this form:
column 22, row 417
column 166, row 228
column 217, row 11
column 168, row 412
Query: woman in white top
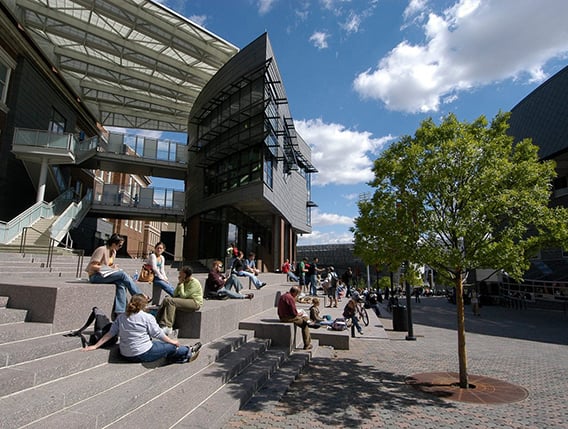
column 157, row 261
column 136, row 328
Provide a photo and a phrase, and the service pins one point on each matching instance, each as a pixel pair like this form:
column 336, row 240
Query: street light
column 410, row 336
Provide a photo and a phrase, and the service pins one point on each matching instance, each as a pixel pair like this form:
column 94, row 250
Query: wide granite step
column 117, row 392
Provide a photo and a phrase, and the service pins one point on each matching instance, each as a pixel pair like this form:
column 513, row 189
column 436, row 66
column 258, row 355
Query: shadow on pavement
column 527, row 324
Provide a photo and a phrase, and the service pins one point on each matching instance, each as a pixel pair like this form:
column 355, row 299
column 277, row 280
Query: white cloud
column 319, row 39
column 145, row 133
column 415, row 7
column 199, row 19
column 264, row 6
column 326, row 219
column 471, row 44
column 319, row 237
column 352, row 24
column 342, row 156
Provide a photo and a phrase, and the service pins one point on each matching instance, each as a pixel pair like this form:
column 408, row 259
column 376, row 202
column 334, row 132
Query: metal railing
column 53, row 243
column 541, row 293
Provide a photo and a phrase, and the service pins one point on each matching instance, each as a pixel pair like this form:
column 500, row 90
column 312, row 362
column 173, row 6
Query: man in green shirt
column 188, row 296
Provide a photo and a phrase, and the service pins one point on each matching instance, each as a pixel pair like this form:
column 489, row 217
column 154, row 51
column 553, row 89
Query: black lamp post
column 410, row 336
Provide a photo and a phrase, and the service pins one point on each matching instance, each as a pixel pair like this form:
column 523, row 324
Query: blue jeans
column 233, row 281
column 257, row 283
column 162, row 350
column 158, row 284
column 355, row 324
column 122, row 282
column 292, row 277
column 231, row 294
column 313, row 283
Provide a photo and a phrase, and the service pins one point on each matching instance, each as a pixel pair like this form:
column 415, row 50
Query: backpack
column 339, row 324
column 333, row 279
column 102, row 326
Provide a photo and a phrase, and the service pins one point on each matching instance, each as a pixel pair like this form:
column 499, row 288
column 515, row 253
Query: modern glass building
column 249, row 172
column 543, row 117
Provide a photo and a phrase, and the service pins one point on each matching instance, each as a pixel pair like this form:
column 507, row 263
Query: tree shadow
column 346, row 392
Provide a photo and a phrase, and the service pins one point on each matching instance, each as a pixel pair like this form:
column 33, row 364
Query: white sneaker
column 167, row 331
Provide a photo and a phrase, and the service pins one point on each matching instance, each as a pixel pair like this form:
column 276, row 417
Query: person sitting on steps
column 136, row 328
column 240, row 270
column 102, row 268
column 158, row 263
column 217, row 286
column 187, row 296
column 250, row 264
column 288, row 313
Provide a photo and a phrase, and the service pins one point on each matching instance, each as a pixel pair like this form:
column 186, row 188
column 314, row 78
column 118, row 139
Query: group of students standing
column 309, row 275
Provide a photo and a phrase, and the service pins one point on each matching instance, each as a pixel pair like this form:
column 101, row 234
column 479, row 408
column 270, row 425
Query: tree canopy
column 460, row 196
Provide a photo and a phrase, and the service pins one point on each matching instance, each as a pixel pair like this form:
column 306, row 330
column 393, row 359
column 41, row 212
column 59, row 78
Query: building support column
column 42, row 181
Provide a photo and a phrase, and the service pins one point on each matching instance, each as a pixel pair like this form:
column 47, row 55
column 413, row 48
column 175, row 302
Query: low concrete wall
column 65, row 304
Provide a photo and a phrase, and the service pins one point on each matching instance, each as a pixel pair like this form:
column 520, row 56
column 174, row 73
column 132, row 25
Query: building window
column 57, row 122
column 233, row 171
column 268, row 169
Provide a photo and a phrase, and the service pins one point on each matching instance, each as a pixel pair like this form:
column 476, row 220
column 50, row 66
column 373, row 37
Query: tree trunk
column 462, row 355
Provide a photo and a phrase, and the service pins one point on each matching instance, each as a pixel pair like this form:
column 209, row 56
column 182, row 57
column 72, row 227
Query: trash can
column 399, row 318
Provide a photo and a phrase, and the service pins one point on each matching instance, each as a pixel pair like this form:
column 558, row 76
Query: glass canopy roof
column 133, row 63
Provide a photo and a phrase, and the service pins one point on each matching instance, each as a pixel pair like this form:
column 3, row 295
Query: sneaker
column 194, row 349
column 308, row 347
column 360, row 332
column 167, row 330
column 261, row 285
column 249, row 296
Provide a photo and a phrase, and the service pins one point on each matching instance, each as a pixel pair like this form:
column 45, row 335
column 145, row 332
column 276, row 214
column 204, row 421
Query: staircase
column 47, row 381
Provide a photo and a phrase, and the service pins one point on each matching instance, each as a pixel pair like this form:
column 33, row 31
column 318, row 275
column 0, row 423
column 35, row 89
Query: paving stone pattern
column 364, row 387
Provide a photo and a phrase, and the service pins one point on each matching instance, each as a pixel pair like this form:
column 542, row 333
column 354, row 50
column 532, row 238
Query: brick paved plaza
column 364, row 387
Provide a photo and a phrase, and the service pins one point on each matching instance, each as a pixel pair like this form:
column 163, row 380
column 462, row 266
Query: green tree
column 460, row 196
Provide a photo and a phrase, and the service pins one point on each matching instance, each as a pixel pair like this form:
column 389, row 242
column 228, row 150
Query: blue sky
column 359, row 74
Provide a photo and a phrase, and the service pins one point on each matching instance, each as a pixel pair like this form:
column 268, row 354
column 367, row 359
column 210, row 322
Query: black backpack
column 102, row 326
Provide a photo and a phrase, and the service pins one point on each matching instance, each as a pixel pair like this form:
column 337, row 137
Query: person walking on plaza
column 217, row 286
column 288, row 313
column 136, row 328
column 475, row 303
column 347, row 279
column 332, row 280
column 350, row 312
column 102, row 268
column 301, row 271
column 157, row 261
column 187, row 296
column 312, row 275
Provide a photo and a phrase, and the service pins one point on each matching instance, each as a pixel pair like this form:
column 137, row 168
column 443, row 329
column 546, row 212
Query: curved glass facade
column 248, row 169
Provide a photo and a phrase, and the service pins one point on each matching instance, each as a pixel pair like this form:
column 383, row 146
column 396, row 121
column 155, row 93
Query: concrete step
column 106, row 393
column 12, row 315
column 200, row 389
column 23, row 330
column 30, row 374
column 15, row 352
column 224, row 403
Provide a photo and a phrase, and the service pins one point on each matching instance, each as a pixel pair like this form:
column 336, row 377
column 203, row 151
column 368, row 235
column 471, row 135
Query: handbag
column 146, row 274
